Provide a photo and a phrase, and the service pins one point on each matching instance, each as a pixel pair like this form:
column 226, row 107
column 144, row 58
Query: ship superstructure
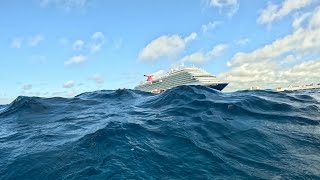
column 178, row 77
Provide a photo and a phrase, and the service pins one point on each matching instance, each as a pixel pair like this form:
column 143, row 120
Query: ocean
column 188, row 132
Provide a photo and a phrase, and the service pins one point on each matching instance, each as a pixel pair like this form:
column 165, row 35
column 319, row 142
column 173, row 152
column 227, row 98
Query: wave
column 188, row 132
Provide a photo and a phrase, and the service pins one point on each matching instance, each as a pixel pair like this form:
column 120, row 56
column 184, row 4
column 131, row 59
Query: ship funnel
column 149, row 77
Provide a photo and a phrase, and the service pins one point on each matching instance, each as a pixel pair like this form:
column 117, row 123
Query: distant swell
column 188, row 132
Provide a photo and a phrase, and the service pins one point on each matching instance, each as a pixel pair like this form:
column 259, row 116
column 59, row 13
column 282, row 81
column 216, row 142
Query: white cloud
column 218, row 50
column 35, row 40
column 197, row 57
column 27, row 87
column 243, row 42
column 269, row 74
column 231, row 5
column 77, row 45
column 275, row 12
column 288, row 59
column 299, row 19
column 299, row 42
column 200, row 57
column 210, row 26
column 65, row 4
column 97, row 41
column 303, row 72
column 251, row 72
column 282, row 62
column 68, row 84
column 97, row 78
column 191, row 37
column 97, row 36
column 31, row 41
column 16, row 43
column 76, row 60
column 315, row 20
column 165, row 46
column 94, row 44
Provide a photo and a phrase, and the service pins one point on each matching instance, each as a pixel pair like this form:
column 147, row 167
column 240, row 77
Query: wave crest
column 191, row 130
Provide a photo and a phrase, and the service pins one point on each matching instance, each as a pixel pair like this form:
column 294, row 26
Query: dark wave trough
column 189, row 132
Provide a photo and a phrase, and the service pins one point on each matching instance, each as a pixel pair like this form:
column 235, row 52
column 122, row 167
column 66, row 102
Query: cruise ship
column 178, row 77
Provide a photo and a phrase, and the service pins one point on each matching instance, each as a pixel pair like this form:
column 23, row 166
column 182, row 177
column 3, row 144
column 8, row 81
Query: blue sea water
column 189, row 132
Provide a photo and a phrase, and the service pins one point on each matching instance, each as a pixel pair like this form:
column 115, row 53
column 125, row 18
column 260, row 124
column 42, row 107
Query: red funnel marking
column 149, row 77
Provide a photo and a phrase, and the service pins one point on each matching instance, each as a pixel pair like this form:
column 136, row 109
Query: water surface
column 189, row 132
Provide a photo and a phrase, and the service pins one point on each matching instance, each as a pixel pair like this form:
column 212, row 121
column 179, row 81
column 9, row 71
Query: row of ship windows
column 166, row 85
column 178, row 79
column 196, row 75
column 173, row 81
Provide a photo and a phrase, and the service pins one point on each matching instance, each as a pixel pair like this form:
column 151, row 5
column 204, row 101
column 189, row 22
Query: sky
column 66, row 47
